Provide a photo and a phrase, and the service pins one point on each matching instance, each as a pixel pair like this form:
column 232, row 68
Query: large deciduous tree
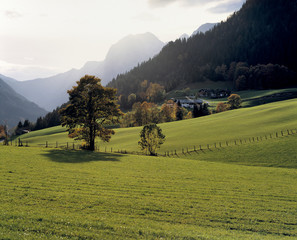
column 92, row 107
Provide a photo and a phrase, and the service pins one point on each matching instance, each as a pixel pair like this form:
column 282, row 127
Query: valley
column 189, row 138
column 243, row 191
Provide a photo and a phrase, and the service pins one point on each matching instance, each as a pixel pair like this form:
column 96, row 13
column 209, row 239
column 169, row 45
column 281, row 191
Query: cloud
column 227, row 7
column 12, row 14
column 164, row 3
column 146, row 17
column 25, row 72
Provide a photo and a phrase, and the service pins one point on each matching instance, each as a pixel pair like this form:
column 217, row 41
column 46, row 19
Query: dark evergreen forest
column 255, row 48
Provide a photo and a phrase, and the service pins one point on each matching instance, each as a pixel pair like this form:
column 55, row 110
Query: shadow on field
column 68, row 156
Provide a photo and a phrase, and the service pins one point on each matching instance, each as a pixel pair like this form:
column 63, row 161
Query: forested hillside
column 254, row 49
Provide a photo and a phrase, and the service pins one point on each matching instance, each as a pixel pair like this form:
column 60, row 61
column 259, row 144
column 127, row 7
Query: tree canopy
column 234, row 101
column 151, row 138
column 92, row 107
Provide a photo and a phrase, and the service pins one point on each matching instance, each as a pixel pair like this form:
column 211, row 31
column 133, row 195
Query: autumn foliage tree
column 222, row 107
column 167, row 111
column 234, row 101
column 91, row 108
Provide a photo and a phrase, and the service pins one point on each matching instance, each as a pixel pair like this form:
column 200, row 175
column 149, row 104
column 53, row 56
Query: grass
column 221, row 127
column 56, row 194
column 246, row 191
column 256, row 97
column 277, row 152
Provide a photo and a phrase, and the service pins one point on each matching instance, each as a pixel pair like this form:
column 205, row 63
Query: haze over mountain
column 15, row 108
column 125, row 54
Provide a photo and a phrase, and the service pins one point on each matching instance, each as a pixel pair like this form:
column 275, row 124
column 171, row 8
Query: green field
column 242, row 191
column 257, row 97
column 51, row 193
column 227, row 126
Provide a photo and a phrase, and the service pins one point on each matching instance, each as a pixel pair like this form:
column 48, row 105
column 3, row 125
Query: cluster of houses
column 214, row 93
column 189, row 102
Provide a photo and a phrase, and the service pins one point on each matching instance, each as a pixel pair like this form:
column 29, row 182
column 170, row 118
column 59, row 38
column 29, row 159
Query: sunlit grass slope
column 277, row 152
column 59, row 194
column 221, row 127
column 249, row 97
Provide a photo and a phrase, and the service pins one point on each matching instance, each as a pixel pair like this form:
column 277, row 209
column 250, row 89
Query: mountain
column 255, row 48
column 15, row 107
column 124, row 55
column 128, row 52
column 184, row 36
column 204, row 28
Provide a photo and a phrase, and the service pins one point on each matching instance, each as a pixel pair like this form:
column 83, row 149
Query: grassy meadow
column 227, row 126
column 243, row 191
column 59, row 194
column 256, row 97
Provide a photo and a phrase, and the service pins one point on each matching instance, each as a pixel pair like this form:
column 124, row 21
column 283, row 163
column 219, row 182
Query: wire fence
column 172, row 153
column 228, row 143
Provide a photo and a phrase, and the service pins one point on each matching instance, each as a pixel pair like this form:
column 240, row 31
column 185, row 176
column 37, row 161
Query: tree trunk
column 92, row 139
column 92, row 145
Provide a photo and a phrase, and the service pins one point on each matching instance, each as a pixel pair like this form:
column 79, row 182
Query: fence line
column 172, row 153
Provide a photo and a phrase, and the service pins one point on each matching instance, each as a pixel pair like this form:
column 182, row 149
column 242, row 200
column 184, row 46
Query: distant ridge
column 51, row 92
column 15, row 108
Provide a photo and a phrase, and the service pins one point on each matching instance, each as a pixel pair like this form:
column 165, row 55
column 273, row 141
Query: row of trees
column 51, row 119
column 145, row 113
column 234, row 102
column 151, row 92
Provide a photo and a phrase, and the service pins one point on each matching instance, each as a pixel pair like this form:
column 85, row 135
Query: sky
column 43, row 38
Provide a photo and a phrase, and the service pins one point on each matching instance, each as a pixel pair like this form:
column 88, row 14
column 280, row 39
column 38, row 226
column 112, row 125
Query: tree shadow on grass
column 70, row 156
